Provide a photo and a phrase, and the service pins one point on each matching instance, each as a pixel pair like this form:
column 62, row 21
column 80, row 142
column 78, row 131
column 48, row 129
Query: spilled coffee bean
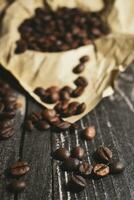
column 29, row 125
column 42, row 125
column 79, row 68
column 81, row 81
column 85, row 169
column 78, row 92
column 77, row 183
column 6, row 133
column 61, row 154
column 116, row 167
column 19, row 168
column 71, row 164
column 101, row 170
column 17, row 186
column 84, row 59
column 89, row 133
column 78, row 152
column 104, row 153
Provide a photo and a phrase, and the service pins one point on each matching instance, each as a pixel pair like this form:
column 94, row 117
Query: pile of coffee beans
column 81, row 170
column 61, row 30
column 8, row 110
column 17, row 170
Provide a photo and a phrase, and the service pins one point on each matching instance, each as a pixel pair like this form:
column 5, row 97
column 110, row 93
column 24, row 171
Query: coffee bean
column 7, row 132
column 61, row 106
column 51, row 98
column 19, row 168
column 2, row 107
column 77, row 183
column 81, row 108
column 78, row 152
column 7, row 115
column 29, row 125
column 40, row 91
column 89, row 133
column 67, row 89
column 17, row 186
column 21, row 46
column 84, row 59
column 71, row 164
column 62, row 125
column 85, row 169
column 61, row 154
column 101, row 170
column 116, row 167
column 42, row 125
column 48, row 114
column 52, row 89
column 104, row 153
column 64, row 95
column 78, row 92
column 81, row 81
column 79, row 68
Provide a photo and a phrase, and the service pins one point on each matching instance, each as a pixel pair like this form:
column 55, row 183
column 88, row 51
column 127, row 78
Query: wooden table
column 114, row 122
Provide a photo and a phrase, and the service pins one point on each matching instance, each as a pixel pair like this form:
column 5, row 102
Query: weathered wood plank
column 36, row 150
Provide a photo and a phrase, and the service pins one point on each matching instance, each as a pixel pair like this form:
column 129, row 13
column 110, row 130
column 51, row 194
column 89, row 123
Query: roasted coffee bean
column 35, row 34
column 42, row 125
column 79, row 68
column 17, row 186
column 116, row 167
column 52, row 89
column 64, row 95
column 78, row 92
column 77, row 183
column 81, row 108
column 84, row 59
column 78, row 152
column 61, row 106
column 101, row 170
column 62, row 125
column 61, row 154
column 85, row 169
column 71, row 164
column 81, row 81
column 7, row 132
column 51, row 98
column 67, row 89
column 40, row 91
column 19, row 168
column 7, row 115
column 71, row 109
column 29, row 125
column 2, row 107
column 89, row 133
column 103, row 153
column 48, row 114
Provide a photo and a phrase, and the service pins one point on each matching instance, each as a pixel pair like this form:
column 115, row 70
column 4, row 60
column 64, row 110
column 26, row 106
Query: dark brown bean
column 7, row 115
column 71, row 164
column 81, row 81
column 67, row 89
column 81, row 108
column 61, row 154
column 78, row 152
column 85, row 169
column 7, row 132
column 52, row 89
column 77, row 183
column 79, row 68
column 17, row 186
column 103, row 153
column 61, row 106
column 42, row 125
column 64, row 95
column 40, row 91
column 116, row 167
column 84, row 59
column 19, row 168
column 62, row 125
column 48, row 114
column 89, row 133
column 21, row 46
column 101, row 170
column 78, row 92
